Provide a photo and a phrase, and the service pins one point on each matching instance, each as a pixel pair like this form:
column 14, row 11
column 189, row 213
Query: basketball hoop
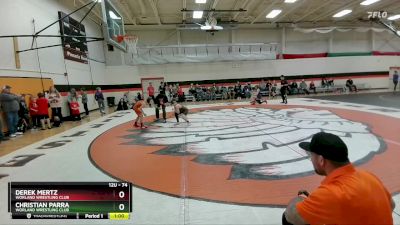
column 130, row 40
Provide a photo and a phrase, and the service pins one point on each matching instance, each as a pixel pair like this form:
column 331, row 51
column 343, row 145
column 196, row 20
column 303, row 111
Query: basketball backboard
column 113, row 24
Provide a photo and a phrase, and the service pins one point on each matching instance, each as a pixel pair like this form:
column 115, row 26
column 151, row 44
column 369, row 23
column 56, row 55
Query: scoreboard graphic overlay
column 77, row 200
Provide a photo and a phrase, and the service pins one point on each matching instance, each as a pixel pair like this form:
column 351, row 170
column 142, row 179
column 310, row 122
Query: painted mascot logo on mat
column 244, row 154
column 259, row 143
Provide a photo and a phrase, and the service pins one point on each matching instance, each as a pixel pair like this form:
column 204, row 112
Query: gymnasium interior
column 237, row 160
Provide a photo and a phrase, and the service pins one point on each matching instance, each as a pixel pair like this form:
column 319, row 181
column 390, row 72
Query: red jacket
column 33, row 108
column 43, row 105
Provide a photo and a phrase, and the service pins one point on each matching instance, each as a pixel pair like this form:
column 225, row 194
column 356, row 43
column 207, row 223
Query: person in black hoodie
column 160, row 102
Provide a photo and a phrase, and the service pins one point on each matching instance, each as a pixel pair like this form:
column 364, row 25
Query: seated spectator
column 324, row 82
column 350, row 85
column 330, row 82
column 263, row 85
column 122, row 105
column 303, row 87
column 247, row 90
column 312, row 87
column 294, row 88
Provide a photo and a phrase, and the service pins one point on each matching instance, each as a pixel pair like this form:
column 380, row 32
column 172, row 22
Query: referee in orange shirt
column 346, row 196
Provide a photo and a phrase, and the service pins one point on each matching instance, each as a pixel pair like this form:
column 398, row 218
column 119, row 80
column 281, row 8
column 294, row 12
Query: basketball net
column 131, row 41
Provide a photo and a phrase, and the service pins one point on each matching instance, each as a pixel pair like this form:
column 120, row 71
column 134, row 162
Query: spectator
column 162, row 87
column 294, row 88
column 238, row 91
column 350, row 85
column 330, row 82
column 284, row 89
column 85, row 101
column 23, row 114
column 138, row 97
column 99, row 97
column 33, row 111
column 55, row 103
column 274, row 86
column 247, row 90
column 160, row 102
column 213, row 92
column 303, row 87
column 192, row 90
column 2, row 137
column 181, row 94
column 73, row 102
column 263, row 85
column 150, row 92
column 346, row 196
column 10, row 105
column 395, row 80
column 312, row 87
column 43, row 111
column 324, row 82
column 269, row 87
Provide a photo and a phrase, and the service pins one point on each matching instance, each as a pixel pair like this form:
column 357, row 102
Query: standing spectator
column 312, row 87
column 10, row 104
column 73, row 101
column 274, row 86
column 347, row 195
column 395, row 80
column 192, row 90
column 33, row 111
column 162, row 87
column 181, row 94
column 43, row 111
column 269, row 87
column 213, row 92
column 85, row 101
column 55, row 103
column 23, row 114
column 238, row 91
column 150, row 92
column 2, row 137
column 350, row 85
column 99, row 97
column 284, row 89
column 160, row 102
column 303, row 87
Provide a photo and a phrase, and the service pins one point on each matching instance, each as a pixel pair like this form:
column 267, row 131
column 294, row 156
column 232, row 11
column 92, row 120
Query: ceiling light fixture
column 201, row 1
column 290, row 1
column 273, row 13
column 342, row 13
column 369, row 2
column 197, row 14
column 394, row 17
